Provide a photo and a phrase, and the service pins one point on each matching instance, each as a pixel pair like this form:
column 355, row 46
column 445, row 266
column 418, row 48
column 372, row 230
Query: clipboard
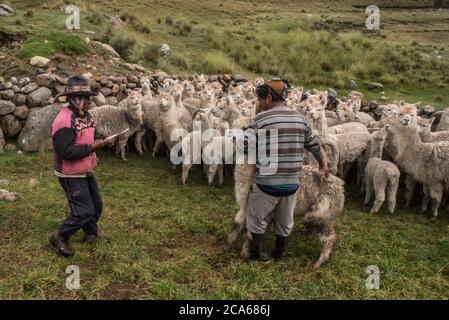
column 116, row 135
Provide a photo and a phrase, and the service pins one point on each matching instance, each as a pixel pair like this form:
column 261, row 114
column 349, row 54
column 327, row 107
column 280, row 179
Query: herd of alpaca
column 370, row 151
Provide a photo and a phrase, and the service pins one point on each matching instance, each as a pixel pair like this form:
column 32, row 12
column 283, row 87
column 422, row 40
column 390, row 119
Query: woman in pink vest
column 74, row 143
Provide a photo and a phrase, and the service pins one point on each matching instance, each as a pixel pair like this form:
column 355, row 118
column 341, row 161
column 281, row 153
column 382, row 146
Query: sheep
column 380, row 175
column 114, row 119
column 320, row 201
column 425, row 162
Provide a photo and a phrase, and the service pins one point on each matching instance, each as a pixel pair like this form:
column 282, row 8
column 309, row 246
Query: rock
column 6, row 107
column 238, row 78
column 4, row 183
column 131, row 85
column 22, row 112
column 6, row 86
column 10, row 147
column 331, row 94
column 15, row 89
column 10, row 125
column 40, row 62
column 2, row 146
column 60, row 80
column 374, row 86
column 6, row 11
column 7, row 94
column 99, row 100
column 134, row 79
column 36, row 131
column 2, row 80
column 24, row 81
column 129, row 66
column 165, row 50
column 384, row 99
column 88, row 75
column 116, row 80
column 109, row 84
column 139, row 67
column 39, row 97
column 352, row 84
column 14, row 81
column 46, row 80
column 105, row 91
column 226, row 78
column 20, row 99
column 111, row 100
column 29, row 88
column 109, row 49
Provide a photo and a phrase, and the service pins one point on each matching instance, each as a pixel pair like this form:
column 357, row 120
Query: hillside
column 324, row 44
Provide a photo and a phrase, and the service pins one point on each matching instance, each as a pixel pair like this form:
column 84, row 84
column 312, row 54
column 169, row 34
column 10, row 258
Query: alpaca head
column 217, row 88
column 133, row 106
column 145, row 84
column 316, row 105
column 294, row 97
column 389, row 110
column 207, row 95
column 344, row 110
column 223, row 109
column 407, row 114
column 355, row 100
column 258, row 82
column 168, row 84
column 165, row 101
column 177, row 91
column 425, row 125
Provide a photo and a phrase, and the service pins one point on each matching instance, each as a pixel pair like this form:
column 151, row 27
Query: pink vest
column 85, row 131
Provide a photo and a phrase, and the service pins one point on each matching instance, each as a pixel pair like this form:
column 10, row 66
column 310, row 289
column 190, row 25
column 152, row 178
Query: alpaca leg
column 122, row 143
column 138, row 140
column 220, row 174
column 436, row 193
column 425, row 198
column 392, row 190
column 239, row 225
column 369, row 190
column 185, row 173
column 157, row 145
column 379, row 190
column 323, row 229
column 410, row 186
column 211, row 172
column 246, row 248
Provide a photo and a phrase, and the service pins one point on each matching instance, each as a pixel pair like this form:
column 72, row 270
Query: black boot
column 281, row 245
column 62, row 244
column 259, row 250
column 95, row 238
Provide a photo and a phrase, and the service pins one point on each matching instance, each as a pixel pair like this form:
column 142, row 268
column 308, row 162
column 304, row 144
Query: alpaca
column 380, row 175
column 320, row 201
column 425, row 162
column 425, row 126
column 113, row 119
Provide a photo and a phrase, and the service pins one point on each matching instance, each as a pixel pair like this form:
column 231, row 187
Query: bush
column 48, row 43
column 179, row 62
column 123, row 43
column 169, row 20
column 95, row 17
column 217, row 62
column 151, row 53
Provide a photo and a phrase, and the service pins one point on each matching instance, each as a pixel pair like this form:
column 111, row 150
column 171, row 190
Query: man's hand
column 98, row 144
column 324, row 168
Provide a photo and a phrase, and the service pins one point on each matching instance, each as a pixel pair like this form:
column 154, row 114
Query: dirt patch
column 121, row 291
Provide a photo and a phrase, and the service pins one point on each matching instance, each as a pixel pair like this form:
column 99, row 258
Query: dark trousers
column 85, row 205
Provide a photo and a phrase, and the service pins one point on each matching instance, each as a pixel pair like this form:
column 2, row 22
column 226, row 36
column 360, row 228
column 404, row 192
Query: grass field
column 168, row 243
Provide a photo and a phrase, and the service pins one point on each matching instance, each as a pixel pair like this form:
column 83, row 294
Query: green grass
column 168, row 243
column 49, row 43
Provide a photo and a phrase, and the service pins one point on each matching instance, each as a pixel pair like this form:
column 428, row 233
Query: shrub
column 169, row 20
column 95, row 17
column 179, row 62
column 151, row 53
column 123, row 43
column 29, row 13
column 217, row 62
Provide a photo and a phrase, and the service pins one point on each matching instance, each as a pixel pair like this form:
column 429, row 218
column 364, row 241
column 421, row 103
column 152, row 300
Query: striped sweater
column 293, row 136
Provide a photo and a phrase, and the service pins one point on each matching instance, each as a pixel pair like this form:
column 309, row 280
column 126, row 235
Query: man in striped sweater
column 283, row 133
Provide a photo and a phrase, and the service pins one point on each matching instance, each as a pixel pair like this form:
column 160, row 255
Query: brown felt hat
column 279, row 86
column 78, row 86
